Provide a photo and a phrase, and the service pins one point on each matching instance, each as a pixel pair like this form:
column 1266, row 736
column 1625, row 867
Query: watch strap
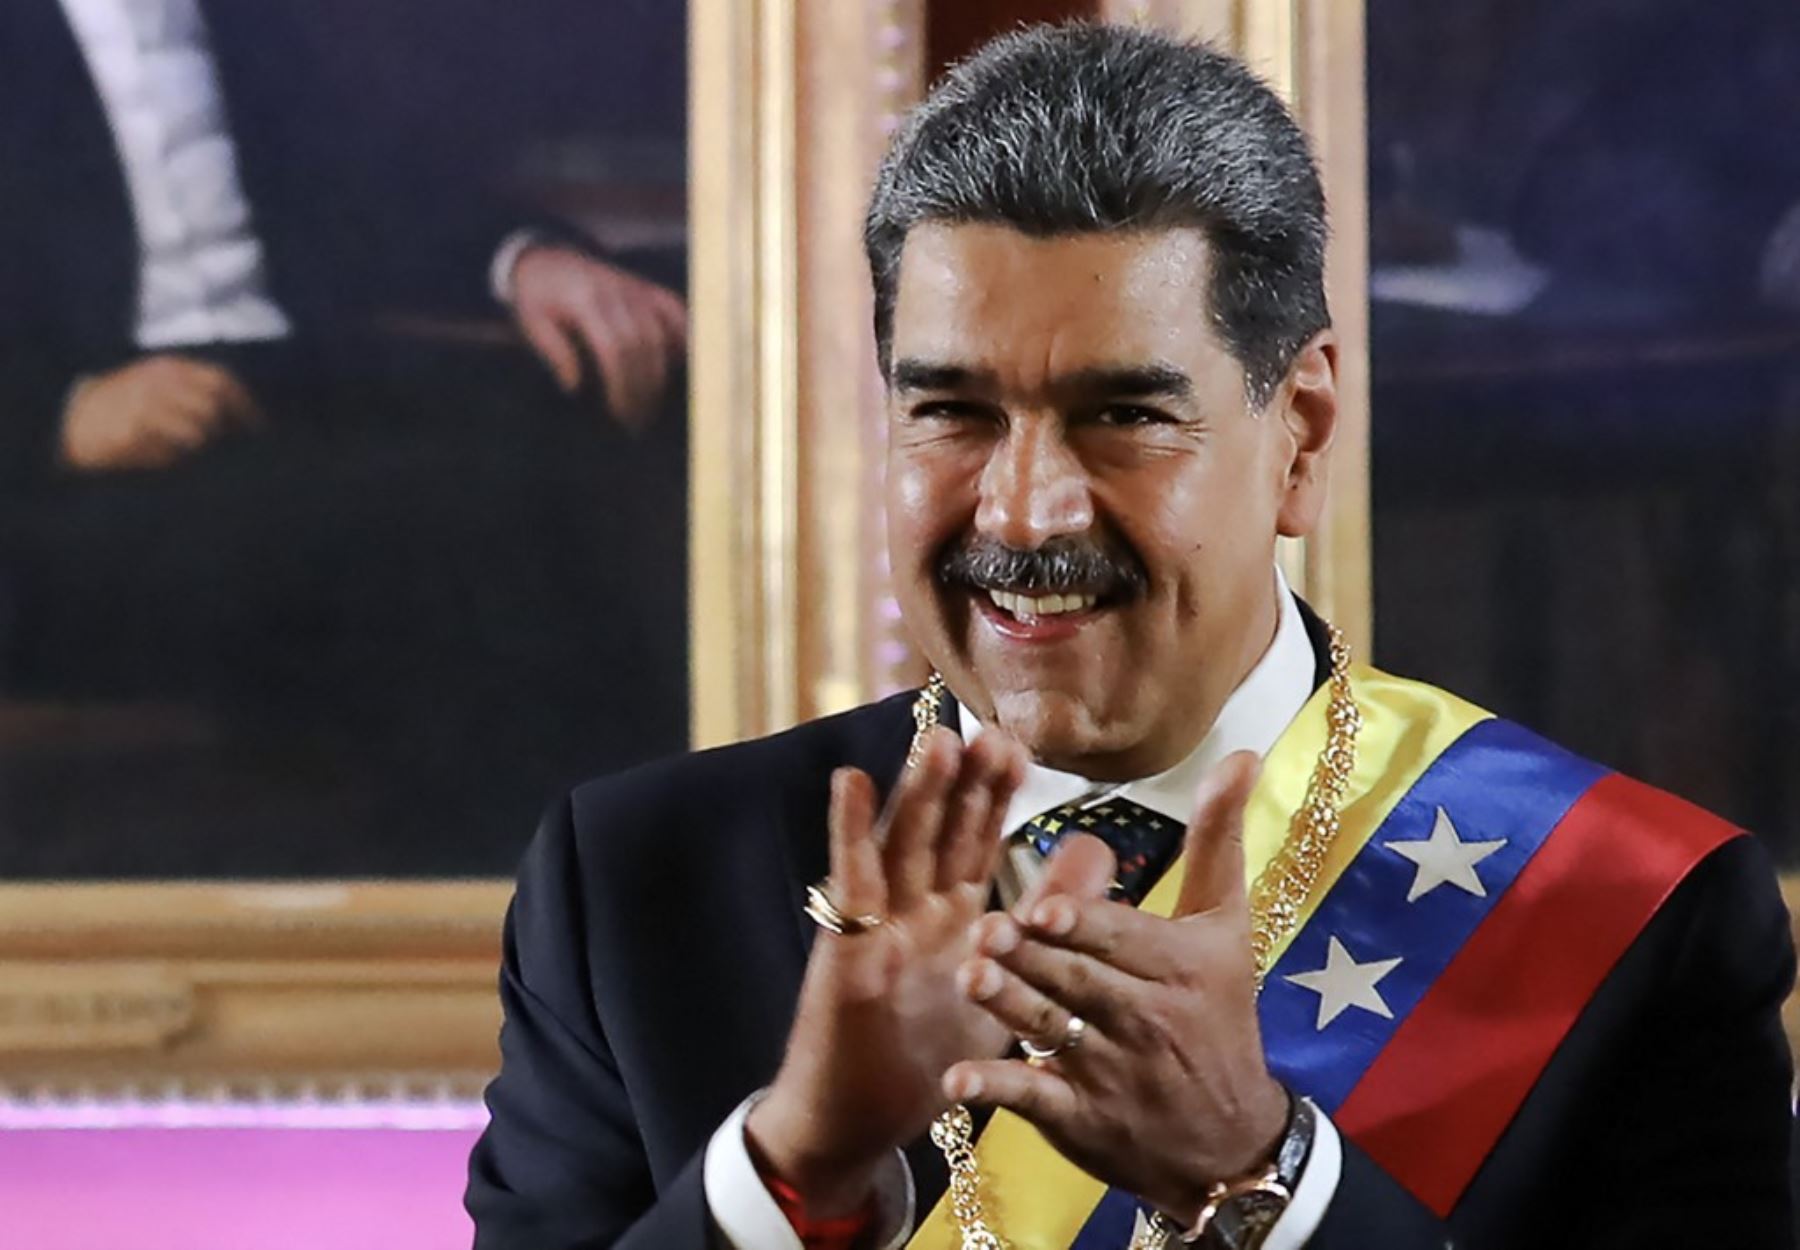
column 1239, row 1213
column 1243, row 1221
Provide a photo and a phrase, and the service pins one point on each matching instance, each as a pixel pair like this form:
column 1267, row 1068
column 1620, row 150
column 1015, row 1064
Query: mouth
column 1037, row 618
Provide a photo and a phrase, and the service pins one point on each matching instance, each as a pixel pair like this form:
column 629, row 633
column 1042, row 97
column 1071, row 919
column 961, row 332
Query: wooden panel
column 861, row 67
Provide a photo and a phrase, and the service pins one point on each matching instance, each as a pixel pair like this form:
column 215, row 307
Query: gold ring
column 1073, row 1032
column 826, row 915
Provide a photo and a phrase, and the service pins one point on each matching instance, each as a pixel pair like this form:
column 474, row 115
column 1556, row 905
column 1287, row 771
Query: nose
column 1033, row 488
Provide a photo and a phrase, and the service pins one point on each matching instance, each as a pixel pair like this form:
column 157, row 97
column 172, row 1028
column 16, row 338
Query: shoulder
column 1726, row 931
column 1614, row 842
column 712, row 792
column 1714, row 933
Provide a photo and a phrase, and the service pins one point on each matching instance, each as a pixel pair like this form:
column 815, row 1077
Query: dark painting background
column 375, row 636
column 1586, row 349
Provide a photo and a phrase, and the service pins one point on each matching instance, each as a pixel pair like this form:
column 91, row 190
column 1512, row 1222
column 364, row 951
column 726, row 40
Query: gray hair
column 1085, row 128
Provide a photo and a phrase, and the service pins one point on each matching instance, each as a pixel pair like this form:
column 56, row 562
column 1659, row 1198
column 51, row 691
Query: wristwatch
column 1239, row 1213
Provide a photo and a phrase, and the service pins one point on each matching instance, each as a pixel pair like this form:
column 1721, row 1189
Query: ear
column 1309, row 413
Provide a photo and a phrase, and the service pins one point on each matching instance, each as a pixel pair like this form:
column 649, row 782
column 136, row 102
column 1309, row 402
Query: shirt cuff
column 506, row 260
column 746, row 1212
column 1313, row 1192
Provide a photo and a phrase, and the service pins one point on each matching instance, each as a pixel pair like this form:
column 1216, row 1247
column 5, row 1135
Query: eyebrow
column 1148, row 381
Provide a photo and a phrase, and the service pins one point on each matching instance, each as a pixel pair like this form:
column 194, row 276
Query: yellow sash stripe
column 1038, row 1200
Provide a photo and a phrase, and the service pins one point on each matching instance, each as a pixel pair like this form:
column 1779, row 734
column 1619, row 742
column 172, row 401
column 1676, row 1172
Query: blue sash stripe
column 1498, row 781
column 1111, row 1225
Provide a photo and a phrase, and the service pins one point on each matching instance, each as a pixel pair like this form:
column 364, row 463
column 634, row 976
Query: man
column 1423, row 980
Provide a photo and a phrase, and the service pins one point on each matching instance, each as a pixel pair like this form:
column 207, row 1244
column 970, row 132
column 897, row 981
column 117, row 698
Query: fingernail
column 978, row 979
column 1002, row 937
column 1054, row 917
column 969, row 1086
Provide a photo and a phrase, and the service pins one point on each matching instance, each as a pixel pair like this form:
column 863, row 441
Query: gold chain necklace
column 1279, row 892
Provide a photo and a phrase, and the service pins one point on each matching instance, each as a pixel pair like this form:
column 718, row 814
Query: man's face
column 1082, row 509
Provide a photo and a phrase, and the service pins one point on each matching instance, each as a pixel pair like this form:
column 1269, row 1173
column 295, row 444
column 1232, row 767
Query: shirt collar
column 1255, row 715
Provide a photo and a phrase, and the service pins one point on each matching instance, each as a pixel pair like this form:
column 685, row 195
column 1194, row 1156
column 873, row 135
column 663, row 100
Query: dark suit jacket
column 654, row 954
column 356, row 202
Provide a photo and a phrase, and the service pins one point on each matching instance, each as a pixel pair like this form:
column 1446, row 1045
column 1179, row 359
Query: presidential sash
column 1483, row 883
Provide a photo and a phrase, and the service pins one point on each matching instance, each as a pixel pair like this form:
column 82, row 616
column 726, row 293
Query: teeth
column 1043, row 605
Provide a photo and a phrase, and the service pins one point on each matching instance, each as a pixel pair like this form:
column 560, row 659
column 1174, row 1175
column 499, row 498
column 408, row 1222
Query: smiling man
column 1151, row 919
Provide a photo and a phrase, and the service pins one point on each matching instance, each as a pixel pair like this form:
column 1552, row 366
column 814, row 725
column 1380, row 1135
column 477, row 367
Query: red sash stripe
column 1432, row 1105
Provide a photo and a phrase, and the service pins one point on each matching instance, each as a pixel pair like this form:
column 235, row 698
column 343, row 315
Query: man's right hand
column 881, row 1017
column 151, row 413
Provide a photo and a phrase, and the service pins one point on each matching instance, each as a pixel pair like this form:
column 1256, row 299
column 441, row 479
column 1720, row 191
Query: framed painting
column 344, row 362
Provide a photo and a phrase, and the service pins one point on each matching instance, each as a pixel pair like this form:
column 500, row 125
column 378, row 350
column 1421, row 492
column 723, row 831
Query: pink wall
column 234, row 1189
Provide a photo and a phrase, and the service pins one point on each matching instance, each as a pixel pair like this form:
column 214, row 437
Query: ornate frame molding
column 248, row 991
column 787, row 404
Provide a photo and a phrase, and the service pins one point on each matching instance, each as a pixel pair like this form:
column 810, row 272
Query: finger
column 1031, row 1010
column 150, row 448
column 971, row 824
column 1077, row 983
column 183, row 421
column 648, row 346
column 179, row 415
column 621, row 374
column 189, row 397
column 976, row 861
column 231, row 399
column 1215, row 839
column 555, row 348
column 1136, row 943
column 858, row 886
column 1042, row 1095
column 674, row 314
column 1082, row 867
column 910, row 829
column 966, row 809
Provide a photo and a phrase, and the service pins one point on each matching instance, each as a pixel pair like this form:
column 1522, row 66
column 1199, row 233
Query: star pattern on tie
column 1143, row 841
column 1445, row 859
column 1343, row 983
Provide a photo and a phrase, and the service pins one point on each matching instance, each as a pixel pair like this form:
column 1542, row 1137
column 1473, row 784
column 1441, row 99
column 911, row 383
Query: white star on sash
column 1343, row 983
column 1444, row 858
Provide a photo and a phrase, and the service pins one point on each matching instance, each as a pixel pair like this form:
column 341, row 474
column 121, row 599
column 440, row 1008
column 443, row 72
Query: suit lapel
column 879, row 748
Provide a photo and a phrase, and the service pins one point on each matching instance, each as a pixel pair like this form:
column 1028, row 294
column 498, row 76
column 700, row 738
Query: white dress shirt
column 201, row 276
column 1252, row 719
column 200, row 263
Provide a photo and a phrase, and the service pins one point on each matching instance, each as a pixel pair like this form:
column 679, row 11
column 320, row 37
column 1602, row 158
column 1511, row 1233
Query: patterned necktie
column 1144, row 841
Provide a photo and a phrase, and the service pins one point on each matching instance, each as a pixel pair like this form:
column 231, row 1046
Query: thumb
column 1214, row 851
column 554, row 348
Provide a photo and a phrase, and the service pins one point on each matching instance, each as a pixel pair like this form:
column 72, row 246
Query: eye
column 1125, row 416
column 950, row 410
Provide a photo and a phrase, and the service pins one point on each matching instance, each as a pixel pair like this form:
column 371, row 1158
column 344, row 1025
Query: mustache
column 1073, row 565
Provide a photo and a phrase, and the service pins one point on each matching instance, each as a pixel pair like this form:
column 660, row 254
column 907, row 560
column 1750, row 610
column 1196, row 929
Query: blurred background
column 276, row 718
column 366, row 621
column 1585, row 288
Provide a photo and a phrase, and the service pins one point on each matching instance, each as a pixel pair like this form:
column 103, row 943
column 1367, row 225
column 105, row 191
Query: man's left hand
column 635, row 332
column 1167, row 1091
